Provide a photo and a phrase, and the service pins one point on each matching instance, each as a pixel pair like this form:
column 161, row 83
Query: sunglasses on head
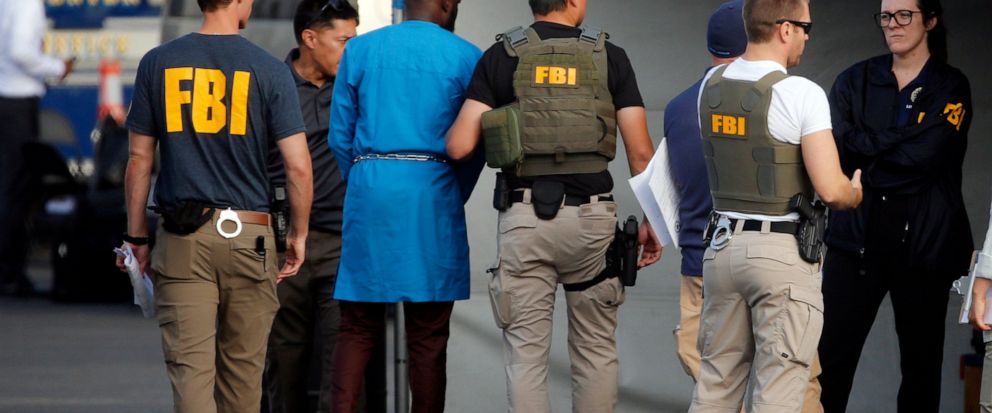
column 336, row 5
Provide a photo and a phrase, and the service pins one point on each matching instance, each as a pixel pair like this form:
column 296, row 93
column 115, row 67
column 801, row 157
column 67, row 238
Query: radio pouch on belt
column 547, row 198
column 186, row 218
column 501, row 135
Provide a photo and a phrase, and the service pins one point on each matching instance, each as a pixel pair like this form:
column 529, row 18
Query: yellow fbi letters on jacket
column 209, row 88
column 556, row 76
column 729, row 125
column 955, row 114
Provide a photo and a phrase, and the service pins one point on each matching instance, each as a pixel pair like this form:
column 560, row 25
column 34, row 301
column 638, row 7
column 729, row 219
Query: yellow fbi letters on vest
column 556, row 76
column 727, row 125
column 209, row 88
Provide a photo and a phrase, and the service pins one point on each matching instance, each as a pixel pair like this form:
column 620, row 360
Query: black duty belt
column 570, row 200
column 790, row 228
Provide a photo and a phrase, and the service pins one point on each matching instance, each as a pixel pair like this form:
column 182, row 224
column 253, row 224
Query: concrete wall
column 666, row 43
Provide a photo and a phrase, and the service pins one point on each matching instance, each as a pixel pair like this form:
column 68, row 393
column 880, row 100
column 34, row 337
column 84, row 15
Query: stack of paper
column 655, row 191
column 144, row 291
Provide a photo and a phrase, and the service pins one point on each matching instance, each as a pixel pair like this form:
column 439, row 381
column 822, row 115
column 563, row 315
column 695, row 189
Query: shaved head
column 441, row 12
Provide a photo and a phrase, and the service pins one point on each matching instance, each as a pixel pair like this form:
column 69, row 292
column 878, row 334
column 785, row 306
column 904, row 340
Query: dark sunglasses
column 806, row 26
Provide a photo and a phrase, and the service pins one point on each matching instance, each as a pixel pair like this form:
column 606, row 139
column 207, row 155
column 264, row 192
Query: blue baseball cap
column 725, row 36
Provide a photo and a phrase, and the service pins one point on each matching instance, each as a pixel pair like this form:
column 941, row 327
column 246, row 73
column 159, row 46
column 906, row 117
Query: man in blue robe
column 404, row 239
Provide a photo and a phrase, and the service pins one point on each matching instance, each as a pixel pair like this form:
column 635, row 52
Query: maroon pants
column 427, row 330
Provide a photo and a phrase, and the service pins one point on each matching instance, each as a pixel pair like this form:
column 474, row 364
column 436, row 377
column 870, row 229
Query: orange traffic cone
column 111, row 92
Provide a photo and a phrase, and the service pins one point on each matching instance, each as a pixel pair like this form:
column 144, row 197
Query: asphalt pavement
column 106, row 358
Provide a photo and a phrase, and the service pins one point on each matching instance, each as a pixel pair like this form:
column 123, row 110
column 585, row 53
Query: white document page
column 144, row 291
column 659, row 199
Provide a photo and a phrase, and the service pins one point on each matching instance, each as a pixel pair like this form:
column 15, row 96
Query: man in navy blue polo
column 726, row 41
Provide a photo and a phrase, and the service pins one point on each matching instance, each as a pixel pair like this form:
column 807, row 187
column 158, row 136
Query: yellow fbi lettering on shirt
column 556, row 75
column 209, row 88
column 728, row 125
column 955, row 114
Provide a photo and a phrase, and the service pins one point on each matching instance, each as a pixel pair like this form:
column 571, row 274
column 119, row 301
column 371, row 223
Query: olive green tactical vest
column 749, row 170
column 564, row 116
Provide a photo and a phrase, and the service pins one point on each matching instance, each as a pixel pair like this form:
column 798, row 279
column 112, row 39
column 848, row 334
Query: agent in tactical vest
column 768, row 147
column 564, row 120
column 749, row 170
column 561, row 92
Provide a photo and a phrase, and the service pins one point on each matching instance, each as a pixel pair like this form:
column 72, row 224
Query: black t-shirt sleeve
column 141, row 115
column 285, row 118
column 623, row 82
column 483, row 84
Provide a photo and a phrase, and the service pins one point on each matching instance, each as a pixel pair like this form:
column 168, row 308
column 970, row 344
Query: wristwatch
column 135, row 240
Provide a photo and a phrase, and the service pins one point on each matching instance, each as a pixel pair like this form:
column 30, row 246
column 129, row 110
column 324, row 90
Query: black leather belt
column 790, row 228
column 570, row 200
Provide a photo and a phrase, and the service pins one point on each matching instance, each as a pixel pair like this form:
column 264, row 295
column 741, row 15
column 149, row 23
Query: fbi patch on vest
column 727, row 125
column 556, row 76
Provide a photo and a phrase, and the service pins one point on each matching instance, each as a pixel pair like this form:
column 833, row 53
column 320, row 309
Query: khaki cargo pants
column 216, row 299
column 687, row 341
column 534, row 257
column 761, row 319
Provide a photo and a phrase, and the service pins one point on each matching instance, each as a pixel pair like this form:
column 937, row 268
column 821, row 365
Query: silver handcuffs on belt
column 229, row 215
column 722, row 234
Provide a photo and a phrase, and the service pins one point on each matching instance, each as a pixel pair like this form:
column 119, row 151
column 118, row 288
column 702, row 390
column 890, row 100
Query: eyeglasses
column 336, row 5
column 806, row 26
column 902, row 17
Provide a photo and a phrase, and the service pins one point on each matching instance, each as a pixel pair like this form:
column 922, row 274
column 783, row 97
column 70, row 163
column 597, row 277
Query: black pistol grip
column 629, row 267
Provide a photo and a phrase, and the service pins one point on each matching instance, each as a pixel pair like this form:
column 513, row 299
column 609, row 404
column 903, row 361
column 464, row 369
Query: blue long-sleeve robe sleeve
column 344, row 117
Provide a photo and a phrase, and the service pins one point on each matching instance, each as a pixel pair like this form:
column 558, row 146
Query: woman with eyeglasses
column 903, row 119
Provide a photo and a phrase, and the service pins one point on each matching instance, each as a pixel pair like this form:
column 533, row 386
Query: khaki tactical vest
column 749, row 170
column 563, row 121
